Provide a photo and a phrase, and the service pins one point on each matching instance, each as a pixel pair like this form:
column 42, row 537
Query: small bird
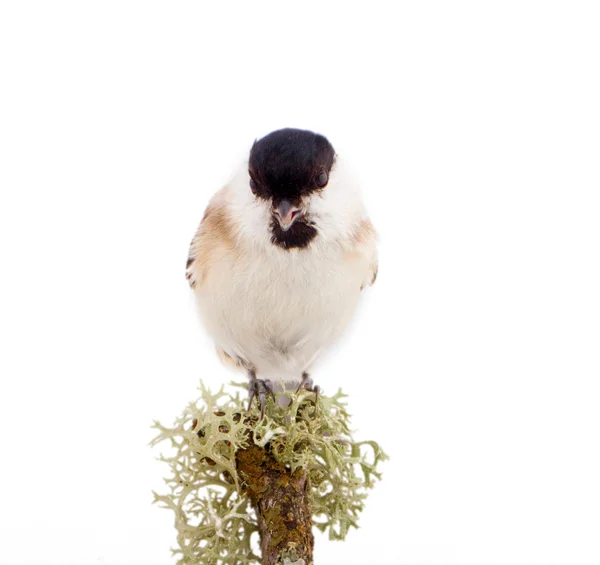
column 280, row 259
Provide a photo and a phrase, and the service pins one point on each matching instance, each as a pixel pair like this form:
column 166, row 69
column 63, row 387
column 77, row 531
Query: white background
column 475, row 127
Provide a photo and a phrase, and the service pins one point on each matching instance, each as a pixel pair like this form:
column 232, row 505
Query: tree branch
column 280, row 499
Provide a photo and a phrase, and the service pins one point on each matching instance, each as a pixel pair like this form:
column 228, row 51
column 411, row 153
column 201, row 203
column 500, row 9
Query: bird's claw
column 307, row 384
column 259, row 388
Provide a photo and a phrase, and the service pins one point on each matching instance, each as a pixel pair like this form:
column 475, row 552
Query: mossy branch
column 281, row 500
column 234, row 476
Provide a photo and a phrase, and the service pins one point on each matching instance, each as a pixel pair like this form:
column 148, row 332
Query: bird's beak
column 286, row 214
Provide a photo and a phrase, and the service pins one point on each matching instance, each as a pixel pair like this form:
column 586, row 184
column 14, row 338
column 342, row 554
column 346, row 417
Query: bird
column 280, row 259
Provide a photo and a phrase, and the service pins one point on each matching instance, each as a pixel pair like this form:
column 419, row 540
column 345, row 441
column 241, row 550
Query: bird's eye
column 321, row 179
column 253, row 186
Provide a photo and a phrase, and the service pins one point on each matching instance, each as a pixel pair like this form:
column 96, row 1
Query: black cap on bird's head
column 285, row 167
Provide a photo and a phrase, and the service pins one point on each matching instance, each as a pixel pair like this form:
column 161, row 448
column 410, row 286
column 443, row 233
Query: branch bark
column 280, row 499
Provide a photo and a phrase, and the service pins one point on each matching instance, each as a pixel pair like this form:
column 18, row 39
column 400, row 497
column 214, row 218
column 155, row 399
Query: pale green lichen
column 214, row 519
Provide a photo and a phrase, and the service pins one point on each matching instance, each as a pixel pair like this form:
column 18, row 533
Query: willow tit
column 280, row 258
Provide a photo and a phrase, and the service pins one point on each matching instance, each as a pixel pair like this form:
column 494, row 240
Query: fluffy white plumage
column 275, row 310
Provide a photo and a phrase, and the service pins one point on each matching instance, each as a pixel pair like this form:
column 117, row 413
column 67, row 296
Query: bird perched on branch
column 280, row 259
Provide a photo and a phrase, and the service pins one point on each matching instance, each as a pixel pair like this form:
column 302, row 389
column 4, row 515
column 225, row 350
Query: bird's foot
column 307, row 384
column 259, row 388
